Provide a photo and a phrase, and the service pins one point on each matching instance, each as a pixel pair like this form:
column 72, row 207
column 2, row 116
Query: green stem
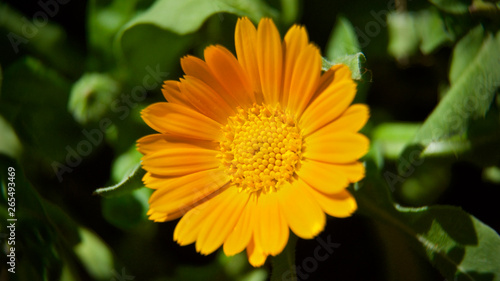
column 284, row 263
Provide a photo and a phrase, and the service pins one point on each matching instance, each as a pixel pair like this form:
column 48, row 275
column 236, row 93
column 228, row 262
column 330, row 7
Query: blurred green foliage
column 69, row 118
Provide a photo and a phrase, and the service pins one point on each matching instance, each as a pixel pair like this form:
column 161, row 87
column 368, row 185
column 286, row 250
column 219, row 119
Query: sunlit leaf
column 403, row 36
column 455, row 242
column 468, row 99
column 95, row 255
column 354, row 63
column 465, row 52
column 343, row 47
column 391, row 138
column 161, row 34
column 343, row 40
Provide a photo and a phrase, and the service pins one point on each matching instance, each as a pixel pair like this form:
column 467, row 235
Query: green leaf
column 411, row 31
column 9, row 143
column 452, row 6
column 391, row 138
column 432, row 31
column 403, row 35
column 343, row 47
column 128, row 210
column 161, row 34
column 468, row 99
column 24, row 104
column 343, row 40
column 94, row 255
column 130, row 183
column 184, row 17
column 456, row 243
column 104, row 20
column 464, row 53
column 289, row 11
column 354, row 63
column 91, row 96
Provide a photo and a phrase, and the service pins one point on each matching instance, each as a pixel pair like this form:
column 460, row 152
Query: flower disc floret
column 261, row 148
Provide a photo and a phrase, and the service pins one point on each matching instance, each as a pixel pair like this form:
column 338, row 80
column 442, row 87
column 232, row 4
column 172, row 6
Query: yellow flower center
column 261, row 148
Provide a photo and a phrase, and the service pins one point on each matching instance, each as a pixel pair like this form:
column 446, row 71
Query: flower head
column 250, row 147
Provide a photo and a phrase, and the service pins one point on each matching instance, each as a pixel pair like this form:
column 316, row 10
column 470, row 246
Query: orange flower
column 249, row 147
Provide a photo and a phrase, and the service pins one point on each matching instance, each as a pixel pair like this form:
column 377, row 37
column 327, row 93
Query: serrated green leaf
column 354, row 63
column 465, row 52
column 343, row 40
column 343, row 47
column 130, row 183
column 455, row 242
column 468, row 99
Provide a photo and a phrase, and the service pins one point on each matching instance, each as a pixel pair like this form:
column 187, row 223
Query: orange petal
column 296, row 39
column 301, row 211
column 205, row 99
column 271, row 229
column 220, row 222
column 155, row 142
column 196, row 67
column 325, row 80
column 322, row 176
column 340, row 205
column 245, row 37
column 230, row 75
column 335, row 147
column 352, row 120
column 180, row 162
column 270, row 60
column 331, row 103
column 173, row 94
column 189, row 226
column 155, row 181
column 255, row 254
column 181, row 121
column 239, row 238
column 185, row 192
column 305, row 79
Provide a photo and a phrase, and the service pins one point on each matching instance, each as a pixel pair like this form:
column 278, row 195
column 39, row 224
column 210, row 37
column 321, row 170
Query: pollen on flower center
column 261, row 148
